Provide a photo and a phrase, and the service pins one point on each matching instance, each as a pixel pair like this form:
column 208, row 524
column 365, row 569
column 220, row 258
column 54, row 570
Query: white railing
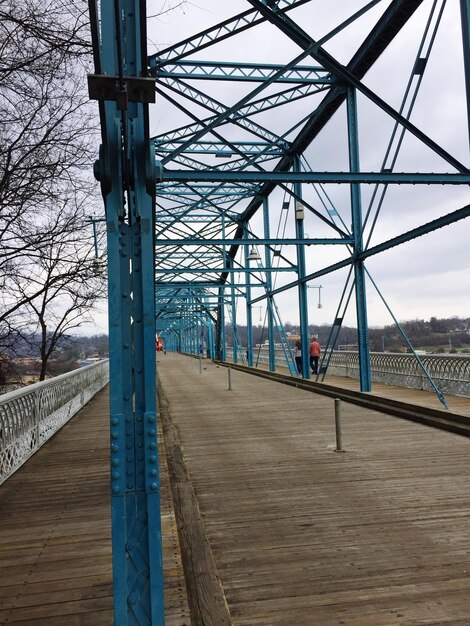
column 31, row 415
column 451, row 373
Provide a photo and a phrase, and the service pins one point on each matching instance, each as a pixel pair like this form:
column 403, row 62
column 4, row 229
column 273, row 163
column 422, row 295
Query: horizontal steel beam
column 440, row 222
column 371, row 178
column 252, row 242
column 207, row 70
column 200, row 284
column 232, row 270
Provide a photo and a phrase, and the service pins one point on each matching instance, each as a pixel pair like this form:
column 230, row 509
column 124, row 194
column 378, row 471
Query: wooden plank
column 55, row 532
column 205, row 594
column 303, row 535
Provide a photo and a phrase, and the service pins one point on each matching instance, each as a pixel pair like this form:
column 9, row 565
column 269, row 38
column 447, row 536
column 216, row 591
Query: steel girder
column 238, row 150
column 127, row 173
column 245, row 160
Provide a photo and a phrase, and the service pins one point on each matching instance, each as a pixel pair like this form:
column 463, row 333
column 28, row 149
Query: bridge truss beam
column 237, row 152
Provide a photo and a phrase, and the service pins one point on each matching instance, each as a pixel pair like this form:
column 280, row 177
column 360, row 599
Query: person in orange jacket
column 315, row 352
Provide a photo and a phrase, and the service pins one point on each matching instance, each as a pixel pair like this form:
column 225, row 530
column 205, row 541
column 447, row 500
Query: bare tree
column 61, row 287
column 47, row 144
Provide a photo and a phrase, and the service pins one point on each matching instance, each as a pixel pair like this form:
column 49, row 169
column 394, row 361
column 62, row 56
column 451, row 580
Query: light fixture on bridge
column 254, row 255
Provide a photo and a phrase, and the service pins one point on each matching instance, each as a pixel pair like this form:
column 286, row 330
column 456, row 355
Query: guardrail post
column 36, row 417
column 339, row 434
column 229, row 372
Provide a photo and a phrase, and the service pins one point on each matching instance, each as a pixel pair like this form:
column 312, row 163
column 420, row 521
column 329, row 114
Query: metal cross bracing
column 271, row 156
column 227, row 205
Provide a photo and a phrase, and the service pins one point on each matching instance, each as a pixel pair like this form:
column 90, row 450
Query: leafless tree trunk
column 47, row 144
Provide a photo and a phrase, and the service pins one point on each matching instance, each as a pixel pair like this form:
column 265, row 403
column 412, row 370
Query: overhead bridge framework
column 186, row 210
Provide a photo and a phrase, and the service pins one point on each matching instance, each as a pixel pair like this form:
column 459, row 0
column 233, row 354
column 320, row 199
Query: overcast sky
column 425, row 277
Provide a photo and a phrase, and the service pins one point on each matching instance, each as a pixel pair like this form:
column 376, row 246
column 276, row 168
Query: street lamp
column 253, row 255
column 319, row 287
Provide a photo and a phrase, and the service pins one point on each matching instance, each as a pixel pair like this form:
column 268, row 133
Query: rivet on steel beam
column 115, row 421
column 152, row 445
column 153, row 459
column 115, row 462
column 153, row 472
column 116, row 489
column 154, row 486
column 114, row 435
column 116, row 475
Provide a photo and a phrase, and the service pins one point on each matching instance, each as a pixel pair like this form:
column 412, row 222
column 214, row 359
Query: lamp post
column 319, row 287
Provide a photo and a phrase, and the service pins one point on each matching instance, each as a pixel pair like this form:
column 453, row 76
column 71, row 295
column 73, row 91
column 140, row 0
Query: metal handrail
column 450, row 372
column 31, row 415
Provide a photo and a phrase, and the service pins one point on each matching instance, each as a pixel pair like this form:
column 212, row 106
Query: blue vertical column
column 193, row 326
column 223, row 338
column 269, row 288
column 465, row 19
column 125, row 167
column 249, row 308
column 359, row 274
column 301, row 269
column 178, row 340
column 221, row 352
column 233, row 306
column 210, row 332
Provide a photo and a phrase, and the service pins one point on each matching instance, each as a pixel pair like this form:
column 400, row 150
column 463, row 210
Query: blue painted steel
column 269, row 286
column 213, row 70
column 136, row 533
column 233, row 316
column 301, row 268
column 206, row 206
column 386, row 245
column 249, row 309
column 196, row 241
column 219, row 32
column 388, row 178
column 359, row 275
column 301, row 38
column 216, row 270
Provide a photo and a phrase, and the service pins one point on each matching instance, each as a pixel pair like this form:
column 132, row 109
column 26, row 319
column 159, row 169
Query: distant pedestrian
column 315, row 352
column 298, row 356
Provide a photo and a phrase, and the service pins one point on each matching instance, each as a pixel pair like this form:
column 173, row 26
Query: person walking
column 315, row 352
column 298, row 356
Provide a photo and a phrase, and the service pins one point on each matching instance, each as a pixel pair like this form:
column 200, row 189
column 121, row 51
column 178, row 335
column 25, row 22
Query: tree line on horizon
column 436, row 335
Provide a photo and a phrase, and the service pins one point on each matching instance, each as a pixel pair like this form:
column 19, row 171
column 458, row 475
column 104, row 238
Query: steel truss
column 234, row 158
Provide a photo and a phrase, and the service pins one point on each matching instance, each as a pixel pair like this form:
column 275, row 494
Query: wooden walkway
column 302, row 536
column 457, row 404
column 275, row 527
column 55, row 532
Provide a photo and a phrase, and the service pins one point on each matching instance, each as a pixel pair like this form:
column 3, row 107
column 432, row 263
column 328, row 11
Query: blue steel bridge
column 219, row 213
